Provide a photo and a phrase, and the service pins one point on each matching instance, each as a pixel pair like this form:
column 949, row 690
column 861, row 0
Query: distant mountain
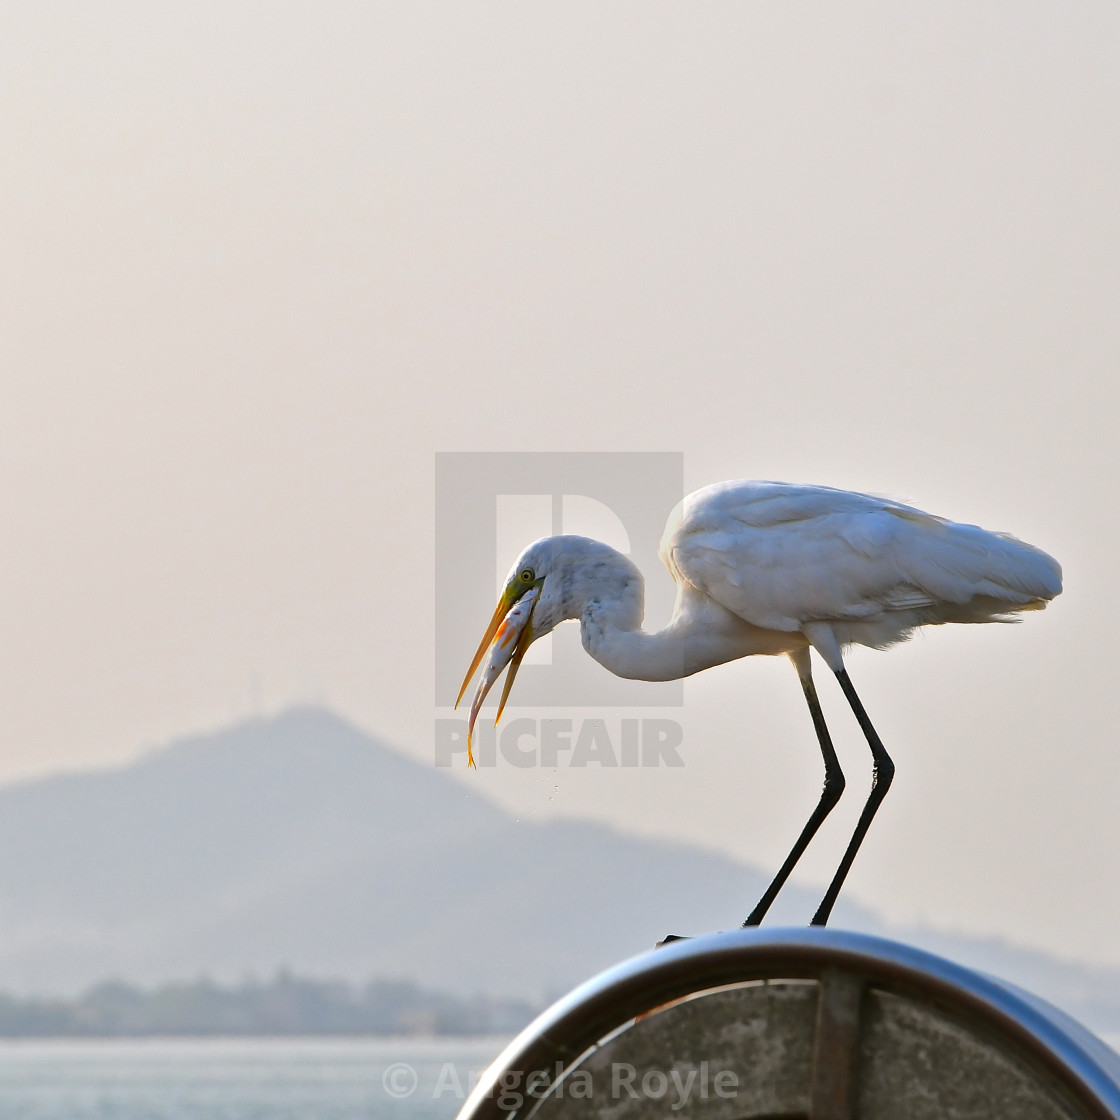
column 300, row 842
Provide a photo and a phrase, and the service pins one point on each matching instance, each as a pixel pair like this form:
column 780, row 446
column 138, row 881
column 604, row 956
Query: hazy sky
column 261, row 261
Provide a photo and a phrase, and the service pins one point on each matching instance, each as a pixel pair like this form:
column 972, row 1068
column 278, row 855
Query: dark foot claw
column 669, row 938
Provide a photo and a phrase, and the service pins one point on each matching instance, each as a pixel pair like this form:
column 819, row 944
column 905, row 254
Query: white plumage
column 782, row 556
column 775, row 568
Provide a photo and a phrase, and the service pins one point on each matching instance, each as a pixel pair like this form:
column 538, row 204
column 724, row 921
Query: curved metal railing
column 799, row 1023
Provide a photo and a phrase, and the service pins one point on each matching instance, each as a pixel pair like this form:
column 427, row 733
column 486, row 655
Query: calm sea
column 250, row 1079
column 240, row 1079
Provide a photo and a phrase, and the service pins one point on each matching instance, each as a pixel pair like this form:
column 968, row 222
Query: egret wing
column 780, row 556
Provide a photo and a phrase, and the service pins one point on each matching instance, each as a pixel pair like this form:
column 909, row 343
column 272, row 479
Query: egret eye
column 527, row 575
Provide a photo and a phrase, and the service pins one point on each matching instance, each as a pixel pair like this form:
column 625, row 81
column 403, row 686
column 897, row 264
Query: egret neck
column 700, row 633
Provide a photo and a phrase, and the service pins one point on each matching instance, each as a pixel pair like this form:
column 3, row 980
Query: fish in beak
column 512, row 633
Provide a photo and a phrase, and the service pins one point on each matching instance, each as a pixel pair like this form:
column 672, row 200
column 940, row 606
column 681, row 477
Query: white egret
column 772, row 568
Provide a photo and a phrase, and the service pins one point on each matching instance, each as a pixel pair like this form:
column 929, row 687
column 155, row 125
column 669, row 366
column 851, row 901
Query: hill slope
column 301, row 842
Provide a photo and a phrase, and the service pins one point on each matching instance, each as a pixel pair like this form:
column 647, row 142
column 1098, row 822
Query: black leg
column 882, row 772
column 833, row 788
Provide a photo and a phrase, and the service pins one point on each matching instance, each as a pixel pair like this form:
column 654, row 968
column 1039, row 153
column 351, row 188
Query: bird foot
column 669, row 938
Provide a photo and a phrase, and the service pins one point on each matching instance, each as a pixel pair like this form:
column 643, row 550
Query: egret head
column 552, row 580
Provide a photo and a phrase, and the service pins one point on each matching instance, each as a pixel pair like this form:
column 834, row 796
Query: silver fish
column 506, row 645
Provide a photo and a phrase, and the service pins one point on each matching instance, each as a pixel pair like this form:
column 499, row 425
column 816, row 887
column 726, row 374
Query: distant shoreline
column 284, row 1007
column 441, row 1041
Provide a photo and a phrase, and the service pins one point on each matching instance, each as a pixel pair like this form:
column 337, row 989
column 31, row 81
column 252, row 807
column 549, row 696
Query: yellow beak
column 511, row 633
column 500, row 612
